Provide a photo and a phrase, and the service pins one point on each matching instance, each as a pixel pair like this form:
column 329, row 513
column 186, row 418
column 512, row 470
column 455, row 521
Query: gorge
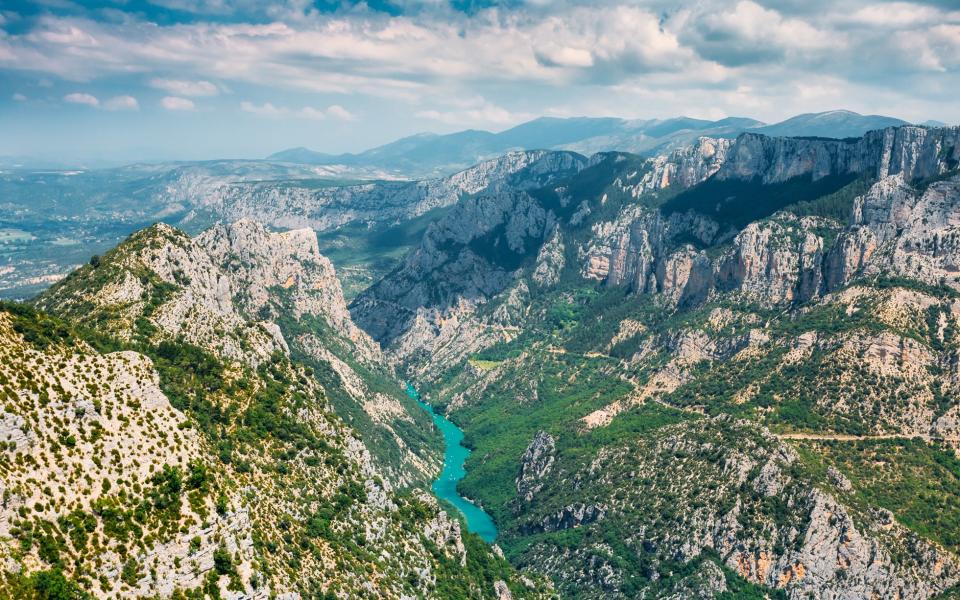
column 445, row 486
column 728, row 371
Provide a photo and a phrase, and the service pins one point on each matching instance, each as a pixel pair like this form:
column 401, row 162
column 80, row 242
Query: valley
column 724, row 371
column 445, row 486
column 480, row 300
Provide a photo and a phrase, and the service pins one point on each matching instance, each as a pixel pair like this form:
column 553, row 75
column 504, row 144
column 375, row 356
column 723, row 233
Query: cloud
column 265, row 110
column 554, row 55
column 175, row 103
column 122, row 103
column 632, row 58
column 752, row 34
column 367, row 53
column 475, row 111
column 180, row 87
column 896, row 15
column 308, row 112
column 18, row 97
column 334, row 111
column 80, row 98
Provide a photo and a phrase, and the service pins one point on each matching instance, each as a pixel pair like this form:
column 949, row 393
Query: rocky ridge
column 199, row 454
column 713, row 390
column 289, row 205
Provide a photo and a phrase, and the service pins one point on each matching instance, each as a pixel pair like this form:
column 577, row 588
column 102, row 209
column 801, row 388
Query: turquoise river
column 445, row 487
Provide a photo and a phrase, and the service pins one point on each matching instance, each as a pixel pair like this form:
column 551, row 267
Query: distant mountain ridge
column 428, row 154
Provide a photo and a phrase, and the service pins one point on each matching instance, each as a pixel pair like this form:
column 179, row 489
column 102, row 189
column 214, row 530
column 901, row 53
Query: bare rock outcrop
column 535, row 464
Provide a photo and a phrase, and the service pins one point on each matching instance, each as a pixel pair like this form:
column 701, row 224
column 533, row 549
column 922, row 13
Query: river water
column 445, row 487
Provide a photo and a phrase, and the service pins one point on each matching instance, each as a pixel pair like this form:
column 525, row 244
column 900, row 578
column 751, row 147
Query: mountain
column 300, row 155
column 199, row 417
column 832, row 124
column 721, row 372
column 431, row 155
column 426, row 155
column 727, row 370
column 52, row 221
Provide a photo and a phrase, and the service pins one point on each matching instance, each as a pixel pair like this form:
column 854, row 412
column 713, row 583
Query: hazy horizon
column 176, row 79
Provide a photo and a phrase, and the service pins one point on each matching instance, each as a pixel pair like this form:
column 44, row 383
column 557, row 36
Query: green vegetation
column 417, row 433
column 736, row 203
column 51, row 584
column 837, row 205
column 363, row 255
column 37, row 328
column 915, row 480
column 484, row 365
column 499, row 430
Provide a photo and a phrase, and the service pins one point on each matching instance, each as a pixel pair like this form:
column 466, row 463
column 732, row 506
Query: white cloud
column 564, row 56
column 368, row 53
column 632, row 58
column 265, row 110
column 80, row 98
column 175, row 103
column 122, row 103
column 308, row 112
column 752, row 34
column 180, row 87
column 475, row 111
column 896, row 14
column 18, row 97
column 334, row 111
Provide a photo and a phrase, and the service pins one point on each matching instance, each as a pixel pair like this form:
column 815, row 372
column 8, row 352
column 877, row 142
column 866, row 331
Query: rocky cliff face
column 243, row 294
column 689, row 165
column 200, row 436
column 487, row 238
column 465, row 259
column 289, row 205
column 471, row 256
column 784, row 259
column 708, row 402
column 913, row 152
column 819, row 548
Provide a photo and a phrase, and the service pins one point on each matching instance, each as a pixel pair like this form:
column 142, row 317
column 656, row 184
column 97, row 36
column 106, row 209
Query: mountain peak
column 838, row 123
column 430, row 154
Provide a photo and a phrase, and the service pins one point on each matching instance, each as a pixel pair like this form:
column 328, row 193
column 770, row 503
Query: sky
column 198, row 79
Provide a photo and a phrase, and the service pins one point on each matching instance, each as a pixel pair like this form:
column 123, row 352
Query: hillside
column 180, row 421
column 729, row 370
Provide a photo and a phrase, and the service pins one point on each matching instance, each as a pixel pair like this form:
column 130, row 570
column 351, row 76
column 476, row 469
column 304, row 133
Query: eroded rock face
column 568, row 517
column 464, row 260
column 913, row 152
column 784, row 259
column 689, row 165
column 686, row 495
column 220, row 282
column 838, row 560
column 775, row 261
column 289, row 206
column 484, row 240
column 686, row 277
column 535, row 464
column 550, row 261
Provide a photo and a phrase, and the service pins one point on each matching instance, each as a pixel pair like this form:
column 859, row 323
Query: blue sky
column 140, row 79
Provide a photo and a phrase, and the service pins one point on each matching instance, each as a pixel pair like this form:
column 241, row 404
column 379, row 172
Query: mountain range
column 431, row 154
column 725, row 370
